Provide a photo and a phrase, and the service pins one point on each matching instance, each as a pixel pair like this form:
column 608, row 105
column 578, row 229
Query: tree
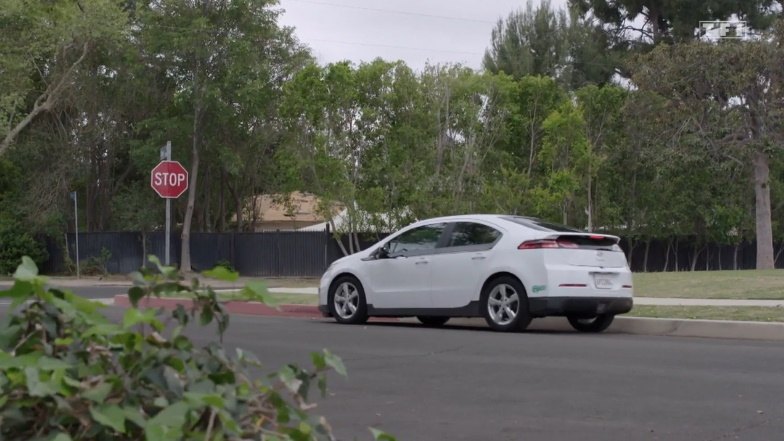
column 601, row 108
column 43, row 45
column 223, row 58
column 549, row 42
column 730, row 94
column 669, row 20
column 566, row 154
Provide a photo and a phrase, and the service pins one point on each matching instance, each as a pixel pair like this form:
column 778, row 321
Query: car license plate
column 602, row 282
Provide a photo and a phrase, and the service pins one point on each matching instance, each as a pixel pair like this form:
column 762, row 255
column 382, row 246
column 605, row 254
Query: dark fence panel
column 209, row 249
column 308, row 254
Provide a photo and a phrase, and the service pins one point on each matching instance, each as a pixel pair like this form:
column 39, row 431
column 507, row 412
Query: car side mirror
column 382, row 253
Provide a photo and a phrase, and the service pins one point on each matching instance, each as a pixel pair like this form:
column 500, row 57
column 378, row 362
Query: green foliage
column 69, row 372
column 15, row 242
column 549, row 42
column 96, row 265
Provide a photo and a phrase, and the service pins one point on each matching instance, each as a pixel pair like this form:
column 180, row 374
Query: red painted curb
column 233, row 307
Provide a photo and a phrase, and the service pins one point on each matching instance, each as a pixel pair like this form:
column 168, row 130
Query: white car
column 507, row 269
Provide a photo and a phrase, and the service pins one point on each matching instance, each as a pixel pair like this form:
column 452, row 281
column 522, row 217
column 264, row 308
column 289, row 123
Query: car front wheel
column 347, row 301
column 505, row 305
column 593, row 324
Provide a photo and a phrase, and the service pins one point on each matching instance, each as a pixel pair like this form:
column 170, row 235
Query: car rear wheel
column 505, row 305
column 430, row 320
column 347, row 301
column 591, row 324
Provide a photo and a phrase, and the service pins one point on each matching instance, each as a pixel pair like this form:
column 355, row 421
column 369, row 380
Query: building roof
column 295, row 207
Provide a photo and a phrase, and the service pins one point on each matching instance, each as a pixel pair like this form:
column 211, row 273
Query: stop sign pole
column 167, row 240
column 170, row 180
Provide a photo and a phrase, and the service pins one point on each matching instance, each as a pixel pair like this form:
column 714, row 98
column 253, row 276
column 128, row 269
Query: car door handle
column 422, row 262
column 479, row 258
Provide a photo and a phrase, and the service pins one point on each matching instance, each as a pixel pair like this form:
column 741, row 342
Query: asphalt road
column 460, row 383
column 474, row 384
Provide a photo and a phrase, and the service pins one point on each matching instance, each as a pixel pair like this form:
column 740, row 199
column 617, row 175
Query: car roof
column 462, row 217
column 505, row 220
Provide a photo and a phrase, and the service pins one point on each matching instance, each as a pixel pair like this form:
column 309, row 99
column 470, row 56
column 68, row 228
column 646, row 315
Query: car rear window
column 538, row 224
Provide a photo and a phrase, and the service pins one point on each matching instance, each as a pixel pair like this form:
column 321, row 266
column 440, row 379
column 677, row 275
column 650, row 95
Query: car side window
column 420, row 240
column 473, row 235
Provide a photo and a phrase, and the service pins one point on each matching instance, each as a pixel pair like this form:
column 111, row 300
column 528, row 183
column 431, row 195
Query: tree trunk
column 735, row 257
column 676, row 251
column 667, row 254
column 590, row 201
column 185, row 250
column 762, row 211
column 222, row 203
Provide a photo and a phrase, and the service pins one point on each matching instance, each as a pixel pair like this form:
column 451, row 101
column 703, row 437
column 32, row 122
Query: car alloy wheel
column 505, row 304
column 347, row 301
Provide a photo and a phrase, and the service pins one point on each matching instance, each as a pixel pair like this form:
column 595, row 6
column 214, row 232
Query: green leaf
column 109, row 415
column 168, row 423
column 27, row 271
column 380, row 435
column 135, row 316
column 61, row 437
column 289, row 378
column 168, row 271
column 258, row 291
column 335, row 363
column 50, row 364
column 212, row 400
column 206, row 315
column 98, row 393
column 134, row 414
column 221, row 273
column 319, row 361
column 134, row 295
column 7, row 361
column 103, row 330
column 35, row 386
column 19, row 292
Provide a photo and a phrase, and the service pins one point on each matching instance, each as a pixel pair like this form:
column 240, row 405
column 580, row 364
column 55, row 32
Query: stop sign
column 169, row 179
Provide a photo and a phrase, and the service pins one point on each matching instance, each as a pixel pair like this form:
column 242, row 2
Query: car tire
column 505, row 305
column 593, row 324
column 347, row 302
column 432, row 320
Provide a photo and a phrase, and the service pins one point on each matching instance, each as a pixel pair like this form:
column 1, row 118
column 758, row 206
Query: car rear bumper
column 578, row 306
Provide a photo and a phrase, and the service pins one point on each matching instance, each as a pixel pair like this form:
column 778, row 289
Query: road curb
column 700, row 328
column 625, row 325
column 233, row 307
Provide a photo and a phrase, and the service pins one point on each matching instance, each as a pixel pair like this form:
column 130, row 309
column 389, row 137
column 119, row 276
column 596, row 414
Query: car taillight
column 545, row 243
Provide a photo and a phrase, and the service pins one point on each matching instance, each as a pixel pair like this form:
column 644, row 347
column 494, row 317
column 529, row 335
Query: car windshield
column 538, row 224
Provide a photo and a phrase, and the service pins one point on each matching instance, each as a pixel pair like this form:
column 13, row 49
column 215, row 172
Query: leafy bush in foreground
column 68, row 372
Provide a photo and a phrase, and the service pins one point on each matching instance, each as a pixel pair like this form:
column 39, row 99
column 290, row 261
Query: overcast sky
column 415, row 31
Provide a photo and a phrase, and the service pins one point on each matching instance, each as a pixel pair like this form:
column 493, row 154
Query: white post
column 76, row 232
column 167, row 155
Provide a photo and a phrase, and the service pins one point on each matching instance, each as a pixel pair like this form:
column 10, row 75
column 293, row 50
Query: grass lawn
column 741, row 284
column 744, row 313
column 291, row 282
column 279, row 298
